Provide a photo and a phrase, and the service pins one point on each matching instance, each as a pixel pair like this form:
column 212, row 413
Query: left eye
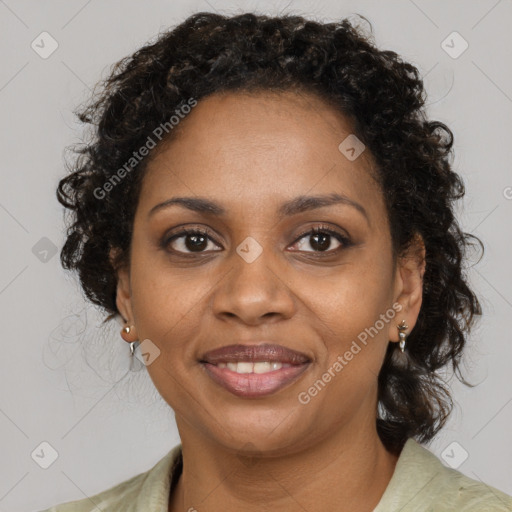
column 320, row 239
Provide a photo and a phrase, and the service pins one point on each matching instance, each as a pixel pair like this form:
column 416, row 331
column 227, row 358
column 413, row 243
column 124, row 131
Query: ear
column 123, row 290
column 408, row 289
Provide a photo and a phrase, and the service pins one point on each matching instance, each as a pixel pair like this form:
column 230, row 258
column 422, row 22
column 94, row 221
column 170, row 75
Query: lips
column 255, row 353
column 289, row 364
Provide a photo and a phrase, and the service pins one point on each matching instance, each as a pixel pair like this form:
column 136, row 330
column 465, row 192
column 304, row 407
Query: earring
column 402, row 327
column 135, row 363
column 125, row 331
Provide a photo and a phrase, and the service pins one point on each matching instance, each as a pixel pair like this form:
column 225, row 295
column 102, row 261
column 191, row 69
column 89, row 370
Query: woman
column 266, row 206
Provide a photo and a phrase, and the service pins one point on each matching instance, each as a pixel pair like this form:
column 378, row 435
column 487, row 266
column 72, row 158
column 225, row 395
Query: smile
column 253, row 380
column 250, row 367
column 255, row 370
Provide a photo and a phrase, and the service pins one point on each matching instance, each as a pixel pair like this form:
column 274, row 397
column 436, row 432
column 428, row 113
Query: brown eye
column 188, row 241
column 320, row 240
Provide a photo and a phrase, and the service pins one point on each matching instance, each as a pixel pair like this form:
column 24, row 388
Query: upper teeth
column 248, row 367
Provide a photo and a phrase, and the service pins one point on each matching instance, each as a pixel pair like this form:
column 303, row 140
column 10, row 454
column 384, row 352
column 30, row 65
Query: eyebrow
column 292, row 207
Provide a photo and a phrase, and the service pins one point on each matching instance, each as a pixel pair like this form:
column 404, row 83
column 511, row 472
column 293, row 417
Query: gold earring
column 402, row 327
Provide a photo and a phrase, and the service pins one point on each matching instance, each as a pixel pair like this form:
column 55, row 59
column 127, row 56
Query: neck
column 346, row 471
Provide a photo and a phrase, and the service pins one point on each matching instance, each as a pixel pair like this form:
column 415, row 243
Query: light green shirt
column 420, row 483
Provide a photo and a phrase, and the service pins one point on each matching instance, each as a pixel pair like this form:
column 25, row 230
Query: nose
column 253, row 292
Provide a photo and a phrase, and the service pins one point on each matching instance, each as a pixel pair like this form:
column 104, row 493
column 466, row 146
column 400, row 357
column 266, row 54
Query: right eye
column 188, row 241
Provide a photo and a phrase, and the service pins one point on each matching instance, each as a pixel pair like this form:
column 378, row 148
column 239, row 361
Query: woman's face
column 257, row 275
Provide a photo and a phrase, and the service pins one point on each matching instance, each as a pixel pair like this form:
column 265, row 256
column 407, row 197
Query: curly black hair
column 384, row 98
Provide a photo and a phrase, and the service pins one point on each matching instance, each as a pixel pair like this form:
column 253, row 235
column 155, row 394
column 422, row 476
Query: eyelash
column 344, row 240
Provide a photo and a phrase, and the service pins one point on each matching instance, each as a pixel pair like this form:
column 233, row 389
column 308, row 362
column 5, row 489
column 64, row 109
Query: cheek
column 354, row 295
column 165, row 302
column 353, row 312
column 166, row 308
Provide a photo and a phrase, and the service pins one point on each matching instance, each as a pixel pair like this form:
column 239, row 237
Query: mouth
column 252, row 371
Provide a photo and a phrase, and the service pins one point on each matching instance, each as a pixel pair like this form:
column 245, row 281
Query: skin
column 251, row 153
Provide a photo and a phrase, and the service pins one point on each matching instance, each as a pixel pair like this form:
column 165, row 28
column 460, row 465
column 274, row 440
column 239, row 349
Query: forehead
column 256, row 149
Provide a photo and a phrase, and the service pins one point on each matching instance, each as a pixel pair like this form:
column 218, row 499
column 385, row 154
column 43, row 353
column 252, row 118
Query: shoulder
column 146, row 491
column 115, row 496
column 455, row 491
column 421, row 483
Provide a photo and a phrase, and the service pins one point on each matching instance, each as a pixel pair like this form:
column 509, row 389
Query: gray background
column 64, row 378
